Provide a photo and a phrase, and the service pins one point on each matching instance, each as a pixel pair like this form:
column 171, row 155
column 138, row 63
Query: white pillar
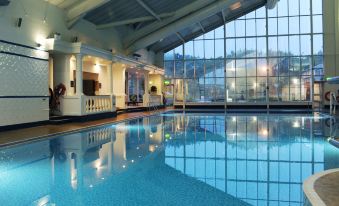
column 146, row 95
column 79, row 79
column 110, row 73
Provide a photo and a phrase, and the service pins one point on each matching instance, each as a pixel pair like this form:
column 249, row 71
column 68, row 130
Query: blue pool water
column 172, row 159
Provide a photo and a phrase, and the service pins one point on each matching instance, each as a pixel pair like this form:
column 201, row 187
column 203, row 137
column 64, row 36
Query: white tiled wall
column 21, row 77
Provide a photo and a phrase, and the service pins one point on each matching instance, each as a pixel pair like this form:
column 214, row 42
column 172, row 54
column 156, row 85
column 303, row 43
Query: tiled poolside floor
column 22, row 135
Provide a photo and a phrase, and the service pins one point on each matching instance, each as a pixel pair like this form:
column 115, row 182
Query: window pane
column 240, row 44
column 219, row 89
column 261, row 47
column 305, row 7
column 250, row 27
column 294, row 66
column 250, row 15
column 251, row 67
column 209, row 71
column 179, row 69
column 209, row 49
column 261, row 27
column 317, row 24
column 219, row 48
column 199, row 68
column 272, row 26
column 294, row 45
column 189, row 50
column 219, row 32
column 294, row 25
column 230, row 68
column 318, row 44
column 230, row 48
column 317, row 6
column 272, row 12
column 190, row 69
column 305, row 43
column 283, row 8
column 305, row 24
column 251, row 47
column 293, row 7
column 240, row 28
column 230, row 89
column 169, row 68
column 262, row 67
column 178, row 52
column 219, row 68
column 240, row 68
column 261, row 12
column 199, row 49
column 169, row 55
column 240, row 89
column 209, row 35
column 273, row 67
column 283, row 45
column 283, row 25
column 272, row 46
column 230, row 29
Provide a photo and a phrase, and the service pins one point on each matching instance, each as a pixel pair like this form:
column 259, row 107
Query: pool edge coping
column 309, row 190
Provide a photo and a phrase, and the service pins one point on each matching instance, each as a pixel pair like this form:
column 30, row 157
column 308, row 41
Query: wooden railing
column 97, row 104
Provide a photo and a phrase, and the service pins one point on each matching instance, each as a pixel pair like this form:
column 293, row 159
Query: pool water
column 172, row 159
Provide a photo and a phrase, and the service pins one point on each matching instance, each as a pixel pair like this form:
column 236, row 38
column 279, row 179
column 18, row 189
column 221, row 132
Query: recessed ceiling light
column 235, row 6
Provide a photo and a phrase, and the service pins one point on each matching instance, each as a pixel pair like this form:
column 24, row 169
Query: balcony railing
column 97, row 104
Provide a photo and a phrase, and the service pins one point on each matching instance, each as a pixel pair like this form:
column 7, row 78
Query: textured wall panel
column 23, row 72
column 22, row 76
column 18, row 111
column 12, row 48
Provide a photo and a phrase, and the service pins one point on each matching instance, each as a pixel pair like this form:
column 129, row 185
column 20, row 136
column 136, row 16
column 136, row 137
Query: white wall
column 156, row 80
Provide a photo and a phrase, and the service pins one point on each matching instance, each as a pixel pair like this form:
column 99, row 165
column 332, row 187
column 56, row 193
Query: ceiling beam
column 181, row 13
column 79, row 9
column 190, row 19
column 180, row 37
column 223, row 16
column 83, row 7
column 132, row 21
column 148, row 9
column 201, row 27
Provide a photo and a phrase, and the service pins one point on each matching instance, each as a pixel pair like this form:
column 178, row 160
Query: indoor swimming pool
column 172, row 159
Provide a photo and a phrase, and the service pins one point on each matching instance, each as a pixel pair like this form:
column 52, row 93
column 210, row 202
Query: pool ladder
column 333, row 139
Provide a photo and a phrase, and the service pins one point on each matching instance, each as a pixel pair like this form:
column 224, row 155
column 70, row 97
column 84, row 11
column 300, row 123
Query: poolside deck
column 323, row 188
column 39, row 132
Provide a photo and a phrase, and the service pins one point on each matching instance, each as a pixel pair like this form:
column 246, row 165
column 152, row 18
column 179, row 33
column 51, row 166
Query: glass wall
column 266, row 55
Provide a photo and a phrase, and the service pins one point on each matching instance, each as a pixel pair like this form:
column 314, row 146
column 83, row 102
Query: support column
column 146, row 95
column 79, row 79
column 110, row 74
